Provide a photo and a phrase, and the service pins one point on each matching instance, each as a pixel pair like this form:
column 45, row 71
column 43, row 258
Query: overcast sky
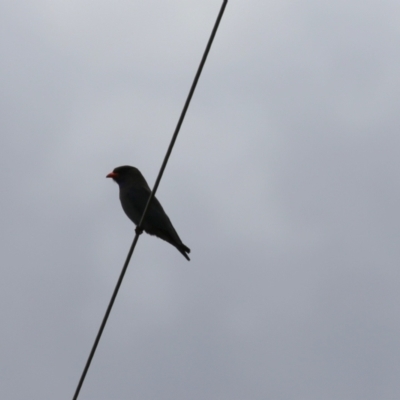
column 284, row 182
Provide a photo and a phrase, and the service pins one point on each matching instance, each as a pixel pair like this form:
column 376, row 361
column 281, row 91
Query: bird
column 133, row 194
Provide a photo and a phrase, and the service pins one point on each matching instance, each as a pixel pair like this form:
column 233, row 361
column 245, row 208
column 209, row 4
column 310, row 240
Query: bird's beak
column 112, row 175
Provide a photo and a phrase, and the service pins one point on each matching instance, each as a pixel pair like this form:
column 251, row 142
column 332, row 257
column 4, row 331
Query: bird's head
column 125, row 174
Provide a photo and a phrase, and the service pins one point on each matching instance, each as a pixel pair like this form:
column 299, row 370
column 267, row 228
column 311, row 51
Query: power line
column 139, row 229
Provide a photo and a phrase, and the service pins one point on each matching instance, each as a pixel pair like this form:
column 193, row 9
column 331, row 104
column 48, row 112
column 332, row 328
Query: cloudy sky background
column 284, row 182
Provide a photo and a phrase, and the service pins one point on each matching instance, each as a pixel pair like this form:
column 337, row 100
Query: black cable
column 139, row 228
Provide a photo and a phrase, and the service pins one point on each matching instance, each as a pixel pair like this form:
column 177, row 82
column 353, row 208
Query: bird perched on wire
column 134, row 193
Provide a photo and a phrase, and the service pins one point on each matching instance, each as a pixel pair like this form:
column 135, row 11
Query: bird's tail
column 183, row 249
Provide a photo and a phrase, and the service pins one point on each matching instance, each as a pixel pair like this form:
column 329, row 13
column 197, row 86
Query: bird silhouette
column 134, row 193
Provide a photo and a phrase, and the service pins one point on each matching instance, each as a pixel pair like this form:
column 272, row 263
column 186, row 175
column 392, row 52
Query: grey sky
column 284, row 183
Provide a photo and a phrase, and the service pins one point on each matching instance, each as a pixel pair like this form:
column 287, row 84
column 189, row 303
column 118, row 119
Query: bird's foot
column 138, row 230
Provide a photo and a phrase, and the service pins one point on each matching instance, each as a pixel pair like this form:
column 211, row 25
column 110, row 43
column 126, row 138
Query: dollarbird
column 134, row 193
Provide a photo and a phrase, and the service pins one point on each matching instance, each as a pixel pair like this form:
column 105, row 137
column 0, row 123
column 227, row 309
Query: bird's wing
column 138, row 197
column 156, row 220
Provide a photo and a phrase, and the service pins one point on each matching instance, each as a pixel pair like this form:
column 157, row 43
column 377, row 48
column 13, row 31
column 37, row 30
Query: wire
column 139, row 229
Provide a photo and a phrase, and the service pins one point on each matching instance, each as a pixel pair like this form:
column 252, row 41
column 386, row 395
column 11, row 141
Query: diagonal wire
column 139, row 228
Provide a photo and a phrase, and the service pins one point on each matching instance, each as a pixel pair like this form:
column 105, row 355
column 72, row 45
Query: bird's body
column 134, row 193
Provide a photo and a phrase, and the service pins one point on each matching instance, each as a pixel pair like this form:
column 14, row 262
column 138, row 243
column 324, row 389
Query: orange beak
column 112, row 175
